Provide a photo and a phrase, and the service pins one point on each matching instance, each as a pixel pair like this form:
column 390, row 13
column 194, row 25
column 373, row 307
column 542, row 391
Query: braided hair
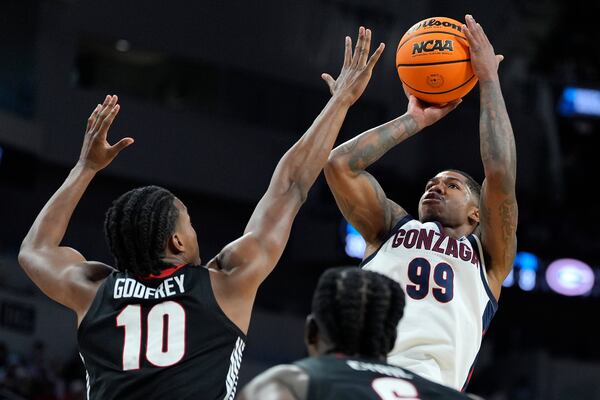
column 137, row 228
column 359, row 310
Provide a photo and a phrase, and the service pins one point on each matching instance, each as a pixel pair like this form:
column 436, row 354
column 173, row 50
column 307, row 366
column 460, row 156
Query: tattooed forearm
column 497, row 145
column 371, row 145
column 346, row 148
column 509, row 216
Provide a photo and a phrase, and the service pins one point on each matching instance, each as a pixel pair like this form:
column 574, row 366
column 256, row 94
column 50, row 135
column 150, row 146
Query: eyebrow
column 455, row 179
column 447, row 178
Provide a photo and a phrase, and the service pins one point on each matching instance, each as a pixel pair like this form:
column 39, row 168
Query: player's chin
column 429, row 214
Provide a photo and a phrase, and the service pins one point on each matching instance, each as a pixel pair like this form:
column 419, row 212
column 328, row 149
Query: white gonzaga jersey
column 449, row 304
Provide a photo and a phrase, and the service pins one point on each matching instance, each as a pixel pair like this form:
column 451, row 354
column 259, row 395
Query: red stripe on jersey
column 164, row 273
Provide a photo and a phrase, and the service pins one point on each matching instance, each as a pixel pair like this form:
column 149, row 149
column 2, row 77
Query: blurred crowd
column 33, row 377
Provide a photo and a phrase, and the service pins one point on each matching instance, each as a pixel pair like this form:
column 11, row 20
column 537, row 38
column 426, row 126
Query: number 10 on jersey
column 165, row 334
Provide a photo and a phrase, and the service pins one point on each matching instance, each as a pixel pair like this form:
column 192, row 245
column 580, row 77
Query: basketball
column 433, row 61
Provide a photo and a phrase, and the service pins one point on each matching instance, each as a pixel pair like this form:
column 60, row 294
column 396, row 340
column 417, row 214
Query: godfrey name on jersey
column 127, row 287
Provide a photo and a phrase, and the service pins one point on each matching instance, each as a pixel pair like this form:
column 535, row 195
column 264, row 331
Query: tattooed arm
column 498, row 202
column 357, row 193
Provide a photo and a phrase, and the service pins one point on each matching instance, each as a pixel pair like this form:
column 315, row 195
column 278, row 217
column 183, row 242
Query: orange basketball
column 433, row 60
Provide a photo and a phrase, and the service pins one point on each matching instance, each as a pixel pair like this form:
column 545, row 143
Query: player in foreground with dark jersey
column 160, row 325
column 349, row 333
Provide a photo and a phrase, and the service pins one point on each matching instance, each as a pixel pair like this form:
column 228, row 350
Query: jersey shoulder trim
column 474, row 240
column 214, row 305
column 407, row 218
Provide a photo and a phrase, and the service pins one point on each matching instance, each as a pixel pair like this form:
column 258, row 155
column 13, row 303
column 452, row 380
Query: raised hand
column 425, row 114
column 483, row 59
column 356, row 70
column 96, row 152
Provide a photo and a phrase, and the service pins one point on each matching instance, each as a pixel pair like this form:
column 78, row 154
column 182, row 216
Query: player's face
column 187, row 233
column 447, row 199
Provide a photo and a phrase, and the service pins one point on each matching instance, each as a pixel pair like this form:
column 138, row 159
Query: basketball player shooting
column 351, row 329
column 452, row 261
column 160, row 325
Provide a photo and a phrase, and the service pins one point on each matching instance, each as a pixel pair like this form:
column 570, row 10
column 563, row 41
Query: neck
column 175, row 259
column 457, row 232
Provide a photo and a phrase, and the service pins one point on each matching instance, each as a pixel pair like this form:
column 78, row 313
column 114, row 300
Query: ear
column 474, row 215
column 311, row 332
column 176, row 244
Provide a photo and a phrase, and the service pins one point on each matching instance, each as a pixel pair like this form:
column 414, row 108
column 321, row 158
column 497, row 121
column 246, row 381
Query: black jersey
column 340, row 377
column 159, row 338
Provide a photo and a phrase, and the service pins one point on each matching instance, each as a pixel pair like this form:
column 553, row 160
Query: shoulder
column 86, row 279
column 87, row 276
column 281, row 382
column 96, row 271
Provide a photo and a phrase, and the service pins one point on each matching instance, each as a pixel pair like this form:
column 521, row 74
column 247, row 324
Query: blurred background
column 214, row 92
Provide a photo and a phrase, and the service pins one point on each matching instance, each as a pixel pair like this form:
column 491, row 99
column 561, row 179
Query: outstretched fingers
column 103, row 112
column 348, row 52
column 329, row 80
column 469, row 34
column 375, row 57
column 364, row 52
column 92, row 119
column 120, row 145
column 474, row 31
column 108, row 120
column 98, row 112
column 359, row 46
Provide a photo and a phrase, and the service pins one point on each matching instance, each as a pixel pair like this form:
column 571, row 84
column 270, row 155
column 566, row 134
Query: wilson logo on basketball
column 433, row 45
column 434, row 23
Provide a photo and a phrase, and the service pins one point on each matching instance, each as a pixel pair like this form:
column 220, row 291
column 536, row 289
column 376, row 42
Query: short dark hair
column 137, row 227
column 471, row 182
column 359, row 310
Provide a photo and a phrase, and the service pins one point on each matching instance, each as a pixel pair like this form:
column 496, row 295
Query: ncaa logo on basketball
column 432, row 45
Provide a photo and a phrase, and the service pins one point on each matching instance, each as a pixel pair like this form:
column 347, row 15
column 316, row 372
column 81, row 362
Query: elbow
column 27, row 252
column 336, row 164
column 501, row 164
column 501, row 176
column 23, row 257
column 335, row 160
column 498, row 170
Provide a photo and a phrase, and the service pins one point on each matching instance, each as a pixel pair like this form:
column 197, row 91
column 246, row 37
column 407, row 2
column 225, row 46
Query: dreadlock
column 137, row 227
column 471, row 182
column 359, row 310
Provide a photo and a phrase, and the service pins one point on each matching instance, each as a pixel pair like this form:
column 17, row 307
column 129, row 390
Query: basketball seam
column 433, row 63
column 447, row 91
column 425, row 33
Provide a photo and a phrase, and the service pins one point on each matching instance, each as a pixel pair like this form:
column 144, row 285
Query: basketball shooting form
column 433, row 61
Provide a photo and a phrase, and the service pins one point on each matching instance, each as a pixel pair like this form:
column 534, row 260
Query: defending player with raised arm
column 160, row 325
column 351, row 329
column 453, row 260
